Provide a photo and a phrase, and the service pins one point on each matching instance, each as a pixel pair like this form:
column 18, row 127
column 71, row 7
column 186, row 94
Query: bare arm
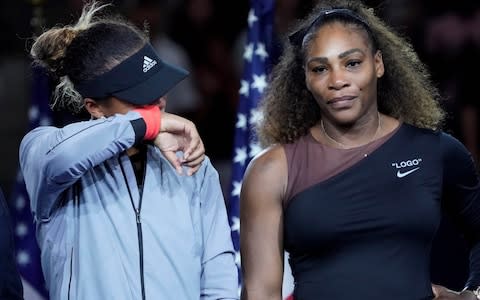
column 261, row 219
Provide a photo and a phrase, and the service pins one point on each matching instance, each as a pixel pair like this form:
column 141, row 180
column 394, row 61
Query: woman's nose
column 337, row 80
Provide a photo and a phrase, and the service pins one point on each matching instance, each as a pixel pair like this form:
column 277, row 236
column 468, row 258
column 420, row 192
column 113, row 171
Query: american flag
column 27, row 251
column 256, row 64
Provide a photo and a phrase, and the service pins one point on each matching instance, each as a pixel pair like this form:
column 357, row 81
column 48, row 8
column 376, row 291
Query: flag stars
column 45, row 121
column 252, row 18
column 235, row 224
column 23, row 258
column 244, row 88
column 248, row 53
column 20, row 203
column 238, row 258
column 20, row 177
column 261, row 51
column 259, row 82
column 252, row 85
column 241, row 121
column 255, row 117
column 237, row 186
column 254, row 149
column 33, row 112
column 21, row 230
column 240, row 155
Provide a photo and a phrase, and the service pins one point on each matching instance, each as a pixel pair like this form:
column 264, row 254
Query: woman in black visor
column 117, row 217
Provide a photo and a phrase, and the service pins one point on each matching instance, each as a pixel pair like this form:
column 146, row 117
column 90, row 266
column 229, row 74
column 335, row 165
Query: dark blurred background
column 207, row 36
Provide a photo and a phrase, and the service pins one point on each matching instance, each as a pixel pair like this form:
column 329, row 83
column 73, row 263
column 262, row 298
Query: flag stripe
column 258, row 57
column 26, row 247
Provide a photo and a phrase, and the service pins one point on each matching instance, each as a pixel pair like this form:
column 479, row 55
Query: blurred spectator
column 451, row 53
column 207, row 29
column 468, row 94
column 286, row 12
column 184, row 99
column 452, row 44
column 15, row 79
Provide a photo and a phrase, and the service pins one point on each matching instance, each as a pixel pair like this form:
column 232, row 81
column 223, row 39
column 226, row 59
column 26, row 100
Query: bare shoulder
column 268, row 162
column 267, row 173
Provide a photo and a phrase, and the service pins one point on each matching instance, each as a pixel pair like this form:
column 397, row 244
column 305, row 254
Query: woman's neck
column 355, row 135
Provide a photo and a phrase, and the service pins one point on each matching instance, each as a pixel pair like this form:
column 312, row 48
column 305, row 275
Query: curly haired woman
column 357, row 171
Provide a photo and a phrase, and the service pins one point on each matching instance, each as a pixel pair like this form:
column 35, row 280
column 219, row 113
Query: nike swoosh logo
column 400, row 174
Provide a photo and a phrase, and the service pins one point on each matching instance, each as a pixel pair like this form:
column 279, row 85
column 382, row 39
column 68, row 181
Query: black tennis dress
column 366, row 231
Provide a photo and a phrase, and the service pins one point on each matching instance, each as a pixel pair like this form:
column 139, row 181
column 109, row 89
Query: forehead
column 336, row 37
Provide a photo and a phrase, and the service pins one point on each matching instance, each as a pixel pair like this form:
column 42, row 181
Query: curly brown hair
column 405, row 91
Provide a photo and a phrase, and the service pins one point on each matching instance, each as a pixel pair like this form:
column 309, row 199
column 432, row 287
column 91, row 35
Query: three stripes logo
column 148, row 63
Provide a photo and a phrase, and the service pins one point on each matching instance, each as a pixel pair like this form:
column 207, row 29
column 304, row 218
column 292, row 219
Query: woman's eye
column 318, row 69
column 353, row 63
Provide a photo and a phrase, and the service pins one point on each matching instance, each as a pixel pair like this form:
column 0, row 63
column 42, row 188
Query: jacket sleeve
column 52, row 159
column 219, row 279
column 462, row 199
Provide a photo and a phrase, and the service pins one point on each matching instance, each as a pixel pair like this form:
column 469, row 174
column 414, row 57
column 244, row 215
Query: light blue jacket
column 83, row 191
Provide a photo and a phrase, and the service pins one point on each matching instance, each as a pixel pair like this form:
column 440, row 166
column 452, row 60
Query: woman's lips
column 341, row 102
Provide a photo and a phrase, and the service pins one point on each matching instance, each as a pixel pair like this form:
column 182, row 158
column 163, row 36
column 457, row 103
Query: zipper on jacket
column 76, row 201
column 139, row 224
column 71, row 274
column 140, row 247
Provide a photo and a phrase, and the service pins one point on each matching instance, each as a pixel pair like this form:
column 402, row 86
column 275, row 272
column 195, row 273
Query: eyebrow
column 341, row 55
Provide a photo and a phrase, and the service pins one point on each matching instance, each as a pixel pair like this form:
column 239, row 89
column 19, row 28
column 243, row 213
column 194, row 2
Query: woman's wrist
column 151, row 114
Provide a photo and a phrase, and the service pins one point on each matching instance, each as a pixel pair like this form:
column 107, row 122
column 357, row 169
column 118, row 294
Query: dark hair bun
column 49, row 49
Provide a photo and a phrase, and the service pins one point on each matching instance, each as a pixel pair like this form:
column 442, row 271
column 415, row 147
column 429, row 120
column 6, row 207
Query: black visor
column 140, row 79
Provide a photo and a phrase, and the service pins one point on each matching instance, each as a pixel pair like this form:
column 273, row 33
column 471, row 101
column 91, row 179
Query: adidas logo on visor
column 148, row 63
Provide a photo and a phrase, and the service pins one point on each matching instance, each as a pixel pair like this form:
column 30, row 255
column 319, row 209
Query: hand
column 442, row 293
column 179, row 134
